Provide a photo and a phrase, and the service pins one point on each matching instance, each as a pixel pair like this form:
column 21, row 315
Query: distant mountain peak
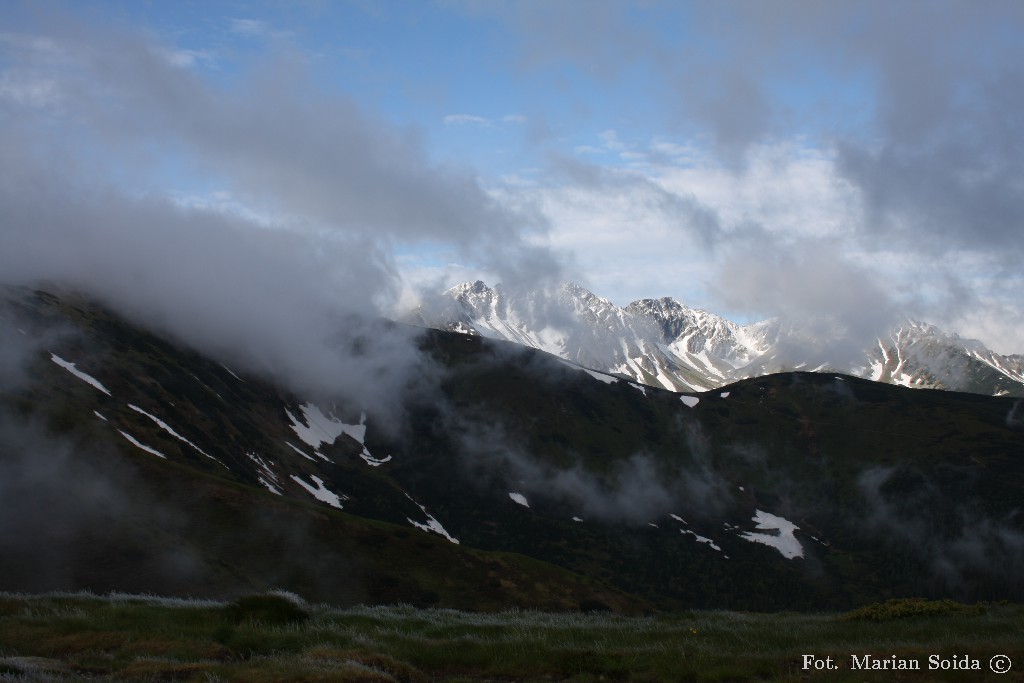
column 663, row 342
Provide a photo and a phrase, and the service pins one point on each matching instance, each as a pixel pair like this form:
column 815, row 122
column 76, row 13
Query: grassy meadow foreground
column 274, row 638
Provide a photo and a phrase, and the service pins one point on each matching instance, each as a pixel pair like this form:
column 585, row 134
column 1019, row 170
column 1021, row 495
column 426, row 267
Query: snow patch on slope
column 232, row 374
column 143, row 446
column 607, row 379
column 320, row 430
column 325, row 430
column 431, row 525
column 167, row 428
column 701, row 539
column 320, row 492
column 784, row 541
column 267, row 476
column 70, row 367
column 299, row 451
column 519, row 498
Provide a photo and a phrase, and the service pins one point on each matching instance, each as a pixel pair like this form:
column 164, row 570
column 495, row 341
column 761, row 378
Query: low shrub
column 909, row 608
column 270, row 608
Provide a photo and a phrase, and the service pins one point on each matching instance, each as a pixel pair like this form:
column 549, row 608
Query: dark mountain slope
column 84, row 508
column 903, row 491
column 564, row 488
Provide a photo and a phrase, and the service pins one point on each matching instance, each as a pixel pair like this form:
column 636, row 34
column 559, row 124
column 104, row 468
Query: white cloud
column 224, row 203
column 611, row 140
column 249, row 27
column 785, row 187
column 28, row 89
column 997, row 323
column 785, row 235
column 911, row 166
column 673, row 150
column 922, row 193
column 482, row 121
column 185, row 59
column 675, row 224
column 42, row 49
column 467, row 119
column 85, row 199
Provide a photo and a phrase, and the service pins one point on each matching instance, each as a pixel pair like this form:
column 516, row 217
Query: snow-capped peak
column 663, row 342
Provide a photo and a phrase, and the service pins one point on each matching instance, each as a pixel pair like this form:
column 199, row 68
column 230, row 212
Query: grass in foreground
column 278, row 638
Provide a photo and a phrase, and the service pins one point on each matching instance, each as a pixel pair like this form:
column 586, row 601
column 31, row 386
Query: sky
column 856, row 161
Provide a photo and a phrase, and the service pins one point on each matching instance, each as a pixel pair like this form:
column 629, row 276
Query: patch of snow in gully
column 144, row 447
column 321, row 492
column 431, row 525
column 519, row 498
column 167, row 428
column 70, row 367
column 784, row 541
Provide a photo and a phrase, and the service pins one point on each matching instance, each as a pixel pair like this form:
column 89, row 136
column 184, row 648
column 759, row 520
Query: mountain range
column 664, row 343
column 503, row 477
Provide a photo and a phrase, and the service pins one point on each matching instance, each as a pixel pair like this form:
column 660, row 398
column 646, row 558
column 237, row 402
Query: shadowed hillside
column 502, row 477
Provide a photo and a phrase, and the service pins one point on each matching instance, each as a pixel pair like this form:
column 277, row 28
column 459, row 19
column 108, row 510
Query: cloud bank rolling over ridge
column 89, row 111
column 898, row 128
column 846, row 164
column 263, row 181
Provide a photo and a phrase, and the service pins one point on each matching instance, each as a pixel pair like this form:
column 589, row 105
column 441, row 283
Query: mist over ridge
column 745, row 181
column 506, row 477
column 208, row 221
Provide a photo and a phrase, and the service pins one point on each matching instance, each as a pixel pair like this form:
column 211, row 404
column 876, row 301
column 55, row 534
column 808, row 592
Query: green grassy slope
column 268, row 638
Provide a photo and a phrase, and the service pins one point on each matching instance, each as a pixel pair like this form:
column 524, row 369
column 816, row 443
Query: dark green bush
column 908, row 608
column 266, row 609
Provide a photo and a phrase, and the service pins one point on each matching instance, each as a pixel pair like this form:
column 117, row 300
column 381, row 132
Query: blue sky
column 855, row 160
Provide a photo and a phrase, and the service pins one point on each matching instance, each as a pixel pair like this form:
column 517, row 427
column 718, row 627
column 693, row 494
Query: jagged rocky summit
column 666, row 344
